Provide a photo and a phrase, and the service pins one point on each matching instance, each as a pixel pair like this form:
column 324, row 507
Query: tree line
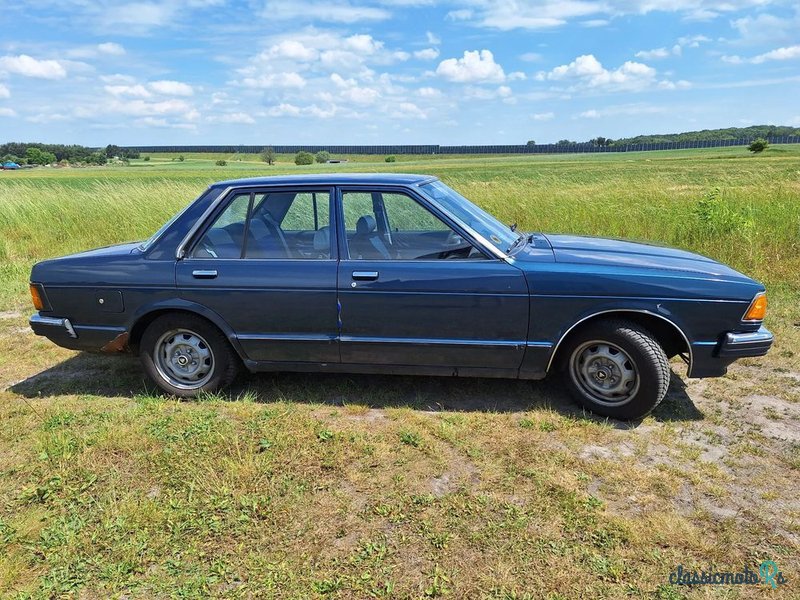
column 35, row 153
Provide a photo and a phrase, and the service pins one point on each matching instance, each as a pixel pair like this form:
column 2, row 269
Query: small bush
column 221, row 163
column 146, row 159
column 715, row 217
column 304, row 158
column 758, row 145
column 391, row 159
column 322, row 156
column 181, row 158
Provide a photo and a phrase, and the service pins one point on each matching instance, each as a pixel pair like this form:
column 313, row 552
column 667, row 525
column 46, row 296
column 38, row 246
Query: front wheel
column 616, row 368
column 185, row 355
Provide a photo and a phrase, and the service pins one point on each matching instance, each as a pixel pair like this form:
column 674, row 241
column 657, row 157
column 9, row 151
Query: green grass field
column 296, row 486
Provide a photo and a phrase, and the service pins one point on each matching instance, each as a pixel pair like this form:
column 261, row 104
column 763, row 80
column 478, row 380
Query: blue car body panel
column 503, row 316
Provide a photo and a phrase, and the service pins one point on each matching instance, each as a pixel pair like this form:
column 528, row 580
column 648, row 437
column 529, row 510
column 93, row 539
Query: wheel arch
column 145, row 317
column 667, row 333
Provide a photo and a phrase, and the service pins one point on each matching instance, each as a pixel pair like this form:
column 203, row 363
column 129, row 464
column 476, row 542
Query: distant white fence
column 483, row 149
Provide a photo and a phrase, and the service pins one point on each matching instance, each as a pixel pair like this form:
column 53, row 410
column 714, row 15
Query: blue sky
column 96, row 72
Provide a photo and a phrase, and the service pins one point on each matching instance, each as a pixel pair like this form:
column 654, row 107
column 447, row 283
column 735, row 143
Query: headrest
column 366, row 224
column 322, row 239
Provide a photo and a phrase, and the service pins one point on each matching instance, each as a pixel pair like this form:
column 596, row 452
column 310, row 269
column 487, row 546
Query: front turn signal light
column 758, row 308
column 36, row 296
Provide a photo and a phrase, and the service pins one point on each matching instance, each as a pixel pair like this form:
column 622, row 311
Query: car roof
column 329, row 179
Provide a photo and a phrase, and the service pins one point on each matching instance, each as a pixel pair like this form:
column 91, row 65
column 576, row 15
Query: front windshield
column 476, row 218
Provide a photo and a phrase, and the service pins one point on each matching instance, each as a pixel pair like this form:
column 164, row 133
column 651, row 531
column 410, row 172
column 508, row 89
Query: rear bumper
column 738, row 345
column 90, row 338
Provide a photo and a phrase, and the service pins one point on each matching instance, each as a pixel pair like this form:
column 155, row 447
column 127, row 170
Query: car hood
column 623, row 253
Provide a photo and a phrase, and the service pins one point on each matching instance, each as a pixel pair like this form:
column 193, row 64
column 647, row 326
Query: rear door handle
column 204, row 273
column 365, row 275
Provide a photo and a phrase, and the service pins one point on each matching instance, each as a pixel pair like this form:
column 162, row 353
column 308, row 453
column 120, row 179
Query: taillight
column 758, row 308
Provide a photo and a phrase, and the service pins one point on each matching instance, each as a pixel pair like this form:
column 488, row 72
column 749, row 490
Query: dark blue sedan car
column 396, row 274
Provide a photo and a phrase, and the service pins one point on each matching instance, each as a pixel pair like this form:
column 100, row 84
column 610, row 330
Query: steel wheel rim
column 604, row 373
column 184, row 359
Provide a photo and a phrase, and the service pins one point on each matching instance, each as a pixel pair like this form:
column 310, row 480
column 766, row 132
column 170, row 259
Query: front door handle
column 204, row 273
column 365, row 275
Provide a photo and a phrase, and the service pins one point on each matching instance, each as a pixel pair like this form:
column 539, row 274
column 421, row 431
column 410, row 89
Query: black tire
column 195, row 341
column 641, row 369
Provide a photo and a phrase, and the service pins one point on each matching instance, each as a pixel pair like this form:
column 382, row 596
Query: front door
column 267, row 266
column 415, row 291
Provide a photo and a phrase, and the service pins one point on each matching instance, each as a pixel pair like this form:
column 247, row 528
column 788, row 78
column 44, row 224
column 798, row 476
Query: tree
column 146, row 159
column 221, row 163
column 97, row 158
column 112, row 151
column 322, row 156
column 391, row 158
column 758, row 145
column 181, row 158
column 531, row 142
column 35, row 156
column 268, row 155
column 304, row 158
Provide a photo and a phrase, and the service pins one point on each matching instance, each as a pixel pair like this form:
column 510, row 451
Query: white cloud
column 28, row 66
column 473, row 67
column 284, row 110
column 586, row 72
column 621, row 109
column 433, row 39
column 293, row 50
column 321, row 10
column 171, row 88
column 104, row 49
column 233, row 118
column 408, row 110
column 787, row 53
column 135, row 91
column 117, row 78
column 4, row 91
column 7, row 112
column 546, row 116
column 429, row 92
column 427, row 54
column 144, row 109
column 275, row 80
column 531, row 57
column 653, row 54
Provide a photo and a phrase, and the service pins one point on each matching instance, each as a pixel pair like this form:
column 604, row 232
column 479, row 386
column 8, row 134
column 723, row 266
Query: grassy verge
column 398, row 487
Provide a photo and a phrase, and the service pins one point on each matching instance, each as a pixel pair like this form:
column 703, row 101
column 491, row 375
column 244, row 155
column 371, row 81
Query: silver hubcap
column 184, row 359
column 604, row 373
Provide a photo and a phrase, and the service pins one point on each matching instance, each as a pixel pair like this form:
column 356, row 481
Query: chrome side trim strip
column 622, row 310
column 280, row 337
column 433, row 342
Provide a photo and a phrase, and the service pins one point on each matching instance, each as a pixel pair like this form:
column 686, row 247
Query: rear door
column 415, row 291
column 267, row 265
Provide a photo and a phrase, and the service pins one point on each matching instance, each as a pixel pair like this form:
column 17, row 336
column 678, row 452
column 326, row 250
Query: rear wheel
column 185, row 355
column 616, row 368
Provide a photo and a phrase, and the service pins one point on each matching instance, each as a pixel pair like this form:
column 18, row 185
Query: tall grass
column 739, row 211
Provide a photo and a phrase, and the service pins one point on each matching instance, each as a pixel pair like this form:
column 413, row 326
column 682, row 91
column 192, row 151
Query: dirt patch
column 10, row 314
column 775, row 417
column 460, row 471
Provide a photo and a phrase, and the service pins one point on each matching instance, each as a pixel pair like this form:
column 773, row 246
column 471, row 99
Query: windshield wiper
column 521, row 238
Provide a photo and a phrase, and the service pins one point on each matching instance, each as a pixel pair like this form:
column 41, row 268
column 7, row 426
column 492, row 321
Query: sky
column 186, row 72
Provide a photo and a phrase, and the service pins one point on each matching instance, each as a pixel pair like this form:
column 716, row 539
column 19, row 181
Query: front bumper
column 738, row 345
column 712, row 358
